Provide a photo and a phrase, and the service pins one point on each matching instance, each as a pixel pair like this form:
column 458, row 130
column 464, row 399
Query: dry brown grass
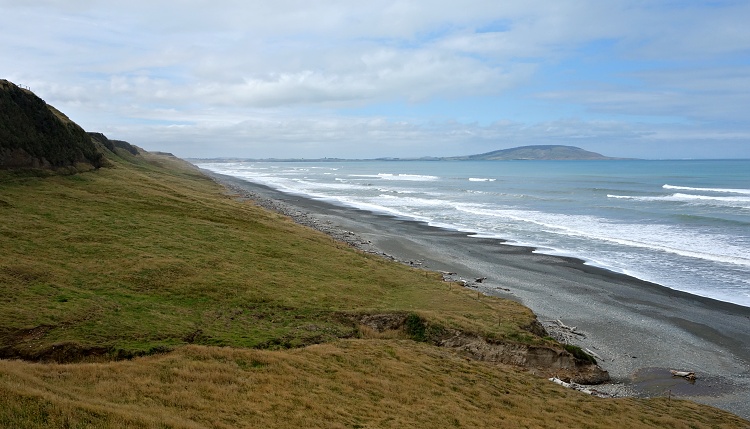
column 351, row 383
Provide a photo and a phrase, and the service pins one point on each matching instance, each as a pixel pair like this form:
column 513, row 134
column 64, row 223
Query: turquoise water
column 682, row 224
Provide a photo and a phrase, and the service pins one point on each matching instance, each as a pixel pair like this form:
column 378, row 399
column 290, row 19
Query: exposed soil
column 546, row 361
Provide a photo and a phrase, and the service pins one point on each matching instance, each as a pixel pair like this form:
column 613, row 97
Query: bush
column 578, row 353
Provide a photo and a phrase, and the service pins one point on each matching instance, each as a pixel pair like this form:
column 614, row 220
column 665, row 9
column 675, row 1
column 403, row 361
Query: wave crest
column 739, row 202
column 721, row 190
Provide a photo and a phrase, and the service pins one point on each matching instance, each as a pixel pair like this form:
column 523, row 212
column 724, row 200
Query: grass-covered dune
column 142, row 295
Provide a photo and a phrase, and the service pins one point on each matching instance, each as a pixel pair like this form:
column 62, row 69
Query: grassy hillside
column 138, row 258
column 149, row 257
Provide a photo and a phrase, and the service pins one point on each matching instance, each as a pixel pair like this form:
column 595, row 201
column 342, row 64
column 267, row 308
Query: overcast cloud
column 198, row 78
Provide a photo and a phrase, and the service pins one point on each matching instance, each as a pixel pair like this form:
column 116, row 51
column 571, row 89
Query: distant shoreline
column 425, row 159
column 431, row 159
column 633, row 325
column 521, row 153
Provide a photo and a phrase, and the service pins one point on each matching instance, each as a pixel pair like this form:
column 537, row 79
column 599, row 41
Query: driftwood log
column 568, row 329
column 689, row 375
column 578, row 387
column 589, row 351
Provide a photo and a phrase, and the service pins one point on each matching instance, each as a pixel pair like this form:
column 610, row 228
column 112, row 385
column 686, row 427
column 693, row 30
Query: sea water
column 682, row 224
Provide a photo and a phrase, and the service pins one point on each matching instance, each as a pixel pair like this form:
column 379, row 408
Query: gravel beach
column 637, row 330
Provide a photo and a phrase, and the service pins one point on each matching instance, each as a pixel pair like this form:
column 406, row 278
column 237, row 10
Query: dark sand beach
column 638, row 330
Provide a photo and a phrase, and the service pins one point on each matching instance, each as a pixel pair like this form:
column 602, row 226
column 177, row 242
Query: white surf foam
column 715, row 248
column 739, row 202
column 723, row 190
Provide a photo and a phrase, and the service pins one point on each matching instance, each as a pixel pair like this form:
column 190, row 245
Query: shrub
column 578, row 353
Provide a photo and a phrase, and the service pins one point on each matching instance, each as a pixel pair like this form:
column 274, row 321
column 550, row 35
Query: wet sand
column 638, row 330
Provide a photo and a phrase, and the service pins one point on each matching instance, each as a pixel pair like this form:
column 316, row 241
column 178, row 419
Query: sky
column 312, row 79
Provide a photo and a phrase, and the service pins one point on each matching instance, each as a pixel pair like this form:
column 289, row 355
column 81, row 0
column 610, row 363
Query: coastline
column 638, row 330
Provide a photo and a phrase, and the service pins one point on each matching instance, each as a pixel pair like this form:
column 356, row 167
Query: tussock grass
column 350, row 383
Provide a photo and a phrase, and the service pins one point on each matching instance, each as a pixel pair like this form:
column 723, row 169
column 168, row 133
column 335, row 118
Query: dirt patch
column 546, row 361
column 542, row 360
column 29, row 345
column 58, row 353
column 384, row 322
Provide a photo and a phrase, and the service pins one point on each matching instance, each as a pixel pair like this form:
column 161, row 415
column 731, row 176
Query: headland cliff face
column 34, row 134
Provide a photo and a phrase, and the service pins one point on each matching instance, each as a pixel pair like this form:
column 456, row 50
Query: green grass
column 140, row 257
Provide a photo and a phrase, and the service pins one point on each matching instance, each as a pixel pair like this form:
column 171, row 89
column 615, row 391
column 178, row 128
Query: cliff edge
column 34, row 134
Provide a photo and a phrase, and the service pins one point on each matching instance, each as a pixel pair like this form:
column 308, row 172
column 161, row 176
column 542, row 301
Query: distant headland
column 538, row 153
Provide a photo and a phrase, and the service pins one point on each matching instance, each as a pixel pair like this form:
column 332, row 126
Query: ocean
column 682, row 224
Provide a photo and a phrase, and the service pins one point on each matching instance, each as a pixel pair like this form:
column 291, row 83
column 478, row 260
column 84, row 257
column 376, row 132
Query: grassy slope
column 348, row 384
column 140, row 257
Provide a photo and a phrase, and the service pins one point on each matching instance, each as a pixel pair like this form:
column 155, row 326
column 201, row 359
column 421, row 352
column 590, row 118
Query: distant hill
column 539, row 152
column 35, row 135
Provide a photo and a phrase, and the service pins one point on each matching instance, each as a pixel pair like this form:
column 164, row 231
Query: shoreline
column 638, row 330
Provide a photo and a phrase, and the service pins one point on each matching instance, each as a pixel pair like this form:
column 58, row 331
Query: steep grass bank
column 34, row 134
column 140, row 258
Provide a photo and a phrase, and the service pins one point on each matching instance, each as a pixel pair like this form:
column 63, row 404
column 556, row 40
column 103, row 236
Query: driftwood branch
column 578, row 387
column 689, row 375
column 563, row 333
column 589, row 351
column 568, row 329
column 564, row 326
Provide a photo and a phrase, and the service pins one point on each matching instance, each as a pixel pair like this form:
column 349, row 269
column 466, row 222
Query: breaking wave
column 722, row 190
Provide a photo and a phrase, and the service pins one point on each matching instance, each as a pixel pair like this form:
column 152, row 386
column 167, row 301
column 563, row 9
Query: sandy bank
column 638, row 330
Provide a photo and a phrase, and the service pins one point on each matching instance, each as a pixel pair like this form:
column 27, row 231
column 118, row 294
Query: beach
column 637, row 330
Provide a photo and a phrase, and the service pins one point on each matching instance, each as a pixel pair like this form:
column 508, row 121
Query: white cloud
column 249, row 68
column 370, row 137
column 699, row 94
